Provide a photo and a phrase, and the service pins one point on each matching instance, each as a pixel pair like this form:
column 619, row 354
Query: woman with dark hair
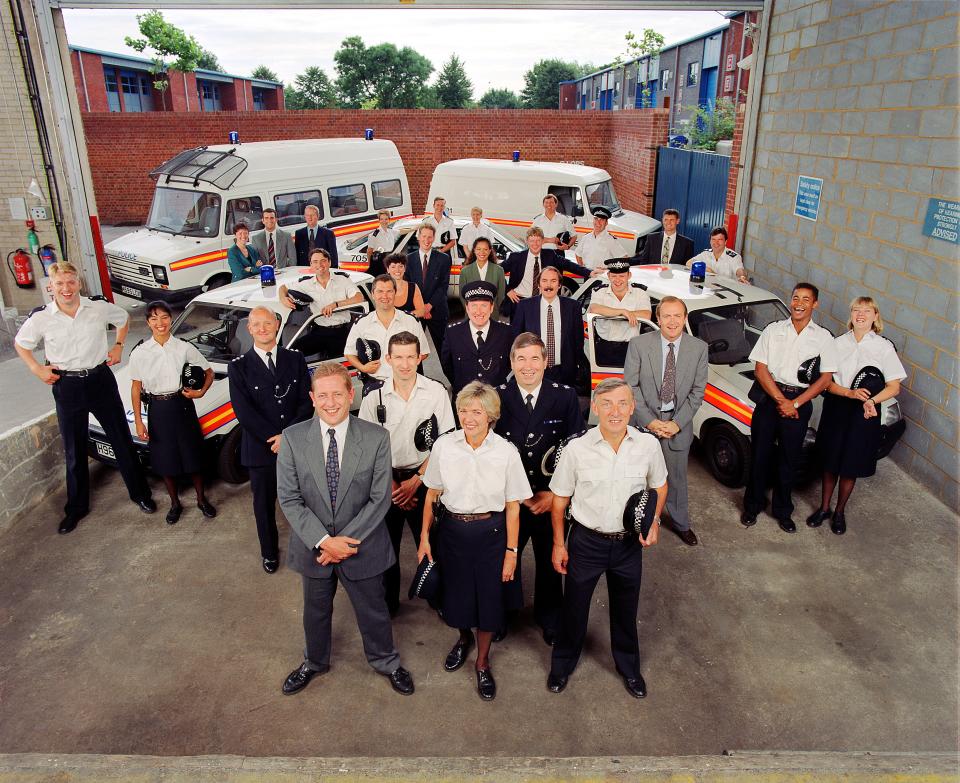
column 172, row 430
column 848, row 436
column 484, row 266
column 243, row 258
column 409, row 299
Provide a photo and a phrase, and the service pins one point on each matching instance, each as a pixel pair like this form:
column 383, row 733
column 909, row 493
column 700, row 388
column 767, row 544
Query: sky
column 496, row 46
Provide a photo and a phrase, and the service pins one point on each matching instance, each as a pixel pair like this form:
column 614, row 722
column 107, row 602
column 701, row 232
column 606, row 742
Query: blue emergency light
column 234, row 137
column 368, row 134
column 698, row 272
column 516, row 156
column 267, row 276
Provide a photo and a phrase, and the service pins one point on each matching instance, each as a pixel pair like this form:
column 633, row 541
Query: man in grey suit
column 667, row 371
column 334, row 485
column 284, row 253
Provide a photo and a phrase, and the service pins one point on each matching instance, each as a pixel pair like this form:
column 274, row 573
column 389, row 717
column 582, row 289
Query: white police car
column 216, row 322
column 729, row 317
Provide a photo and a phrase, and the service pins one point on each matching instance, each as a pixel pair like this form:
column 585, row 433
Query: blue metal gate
column 695, row 183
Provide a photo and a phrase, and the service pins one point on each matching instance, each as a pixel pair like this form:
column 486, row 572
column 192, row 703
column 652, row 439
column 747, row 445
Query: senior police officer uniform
column 78, row 347
column 468, row 356
column 725, row 266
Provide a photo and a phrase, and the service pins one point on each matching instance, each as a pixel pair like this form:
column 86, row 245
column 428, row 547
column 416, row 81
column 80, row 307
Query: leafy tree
column 208, row 61
column 542, row 83
column 310, row 90
column 167, row 41
column 499, row 98
column 707, row 128
column 650, row 43
column 428, row 99
column 392, row 78
column 263, row 72
column 454, row 89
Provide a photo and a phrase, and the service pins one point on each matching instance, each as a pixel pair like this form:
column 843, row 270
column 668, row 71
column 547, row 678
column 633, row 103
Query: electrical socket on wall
column 38, row 213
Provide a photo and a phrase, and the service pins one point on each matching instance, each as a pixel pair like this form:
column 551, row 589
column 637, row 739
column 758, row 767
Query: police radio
column 381, row 408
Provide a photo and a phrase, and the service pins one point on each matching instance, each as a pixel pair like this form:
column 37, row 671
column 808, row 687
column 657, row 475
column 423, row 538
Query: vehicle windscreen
column 731, row 331
column 218, row 331
column 603, row 195
column 188, row 212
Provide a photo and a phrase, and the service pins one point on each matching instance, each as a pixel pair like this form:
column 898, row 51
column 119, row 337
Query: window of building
column 693, row 73
column 113, row 92
column 387, row 193
column 631, row 86
column 290, row 206
column 137, row 92
column 249, row 210
column 347, row 200
column 208, row 93
column 259, row 99
column 665, row 79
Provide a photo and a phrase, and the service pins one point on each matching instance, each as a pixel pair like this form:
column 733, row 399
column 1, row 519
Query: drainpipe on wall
column 83, row 81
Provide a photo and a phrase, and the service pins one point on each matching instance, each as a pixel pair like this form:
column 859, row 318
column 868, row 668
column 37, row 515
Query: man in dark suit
column 523, row 269
column 265, row 401
column 536, row 416
column 667, row 371
column 557, row 321
column 477, row 349
column 312, row 236
column 334, row 484
column 430, row 269
column 667, row 246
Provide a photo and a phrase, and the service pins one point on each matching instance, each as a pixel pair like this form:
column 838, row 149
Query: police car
column 729, row 317
column 216, row 323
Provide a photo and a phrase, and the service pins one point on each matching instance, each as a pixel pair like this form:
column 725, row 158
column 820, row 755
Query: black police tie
column 311, row 244
column 270, row 365
column 530, row 404
column 481, row 343
column 426, row 263
column 333, row 468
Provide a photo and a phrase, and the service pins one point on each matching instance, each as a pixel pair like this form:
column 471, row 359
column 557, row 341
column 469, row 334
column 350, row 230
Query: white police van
column 729, row 317
column 216, row 323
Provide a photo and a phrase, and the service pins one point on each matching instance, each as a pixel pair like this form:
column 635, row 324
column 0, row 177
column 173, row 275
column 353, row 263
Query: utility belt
column 402, row 474
column 621, row 535
column 790, row 392
column 151, row 397
column 447, row 514
column 79, row 373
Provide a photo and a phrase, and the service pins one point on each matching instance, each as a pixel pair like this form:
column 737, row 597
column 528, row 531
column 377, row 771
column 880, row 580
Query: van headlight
column 160, row 274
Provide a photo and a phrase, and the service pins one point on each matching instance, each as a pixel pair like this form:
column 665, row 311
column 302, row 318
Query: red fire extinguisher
column 21, row 267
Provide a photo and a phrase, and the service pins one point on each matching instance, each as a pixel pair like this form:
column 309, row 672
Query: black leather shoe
column 839, row 523
column 207, row 509
column 147, row 505
column 500, row 635
column 635, row 686
column 270, row 565
column 401, row 681
column 486, row 685
column 68, row 524
column 298, row 679
column 787, row 525
column 549, row 637
column 173, row 515
column 458, row 654
column 687, row 536
column 556, row 682
column 748, row 519
column 818, row 517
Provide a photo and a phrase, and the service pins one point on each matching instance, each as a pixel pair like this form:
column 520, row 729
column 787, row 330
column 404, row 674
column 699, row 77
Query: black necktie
column 270, row 365
column 333, row 468
column 311, row 244
column 480, row 341
column 530, row 404
column 426, row 261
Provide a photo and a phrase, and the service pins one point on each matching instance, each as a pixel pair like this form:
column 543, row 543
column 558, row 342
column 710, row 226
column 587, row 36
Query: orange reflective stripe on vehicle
column 596, row 377
column 737, row 409
column 203, row 258
column 367, row 225
column 217, row 418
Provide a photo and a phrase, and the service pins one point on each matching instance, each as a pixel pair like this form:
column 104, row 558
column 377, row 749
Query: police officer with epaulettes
column 477, row 348
column 536, row 416
column 73, row 330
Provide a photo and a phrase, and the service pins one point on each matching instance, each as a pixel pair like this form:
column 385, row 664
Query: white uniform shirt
column 552, row 228
column 595, row 249
column 427, row 398
column 474, row 481
column 783, row 350
column 525, row 288
column 78, row 343
column 616, row 329
column 442, row 226
column 337, row 289
column 872, row 350
column 159, row 367
column 381, row 239
column 471, row 233
column 600, row 480
column 728, row 264
column 556, row 325
column 370, row 328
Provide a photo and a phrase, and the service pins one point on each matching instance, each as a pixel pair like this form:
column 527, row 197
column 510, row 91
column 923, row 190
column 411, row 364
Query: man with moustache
column 478, row 348
column 523, row 269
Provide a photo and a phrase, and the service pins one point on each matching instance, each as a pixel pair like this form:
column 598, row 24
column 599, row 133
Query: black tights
column 829, row 483
column 484, row 639
column 171, row 483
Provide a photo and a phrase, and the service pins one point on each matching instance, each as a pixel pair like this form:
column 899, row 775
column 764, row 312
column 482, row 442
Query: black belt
column 169, row 396
column 786, row 388
column 623, row 535
column 78, row 373
column 402, row 474
column 468, row 517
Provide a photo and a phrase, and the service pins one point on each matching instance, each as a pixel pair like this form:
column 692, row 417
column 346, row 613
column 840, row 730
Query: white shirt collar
column 535, row 393
column 263, row 354
column 664, row 342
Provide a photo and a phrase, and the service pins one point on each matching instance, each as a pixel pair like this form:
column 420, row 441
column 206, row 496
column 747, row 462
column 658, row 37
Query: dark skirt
column 471, row 555
column 176, row 443
column 847, row 443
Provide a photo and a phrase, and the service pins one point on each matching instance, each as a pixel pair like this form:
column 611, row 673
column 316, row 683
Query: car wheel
column 727, row 452
column 218, row 282
column 228, row 460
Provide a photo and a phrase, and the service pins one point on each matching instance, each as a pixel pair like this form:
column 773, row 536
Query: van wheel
column 727, row 452
column 218, row 282
column 228, row 461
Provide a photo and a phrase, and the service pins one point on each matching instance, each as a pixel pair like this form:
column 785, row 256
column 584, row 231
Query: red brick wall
column 123, row 148
column 93, row 75
column 735, row 162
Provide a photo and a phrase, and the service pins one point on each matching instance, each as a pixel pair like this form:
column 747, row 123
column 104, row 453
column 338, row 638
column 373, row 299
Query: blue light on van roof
column 368, row 134
column 516, row 156
column 234, row 137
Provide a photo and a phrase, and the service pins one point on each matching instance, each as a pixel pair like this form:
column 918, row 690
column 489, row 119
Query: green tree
column 499, row 98
column 310, row 90
column 649, row 44
column 263, row 72
column 167, row 41
column 208, row 61
column 542, row 83
column 389, row 77
column 708, row 127
column 454, row 89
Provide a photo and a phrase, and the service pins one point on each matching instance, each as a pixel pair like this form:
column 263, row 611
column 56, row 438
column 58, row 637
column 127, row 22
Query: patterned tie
column 669, row 388
column 312, row 243
column 551, row 338
column 333, row 468
column 271, row 251
column 665, row 258
column 536, row 275
column 270, row 365
column 481, row 343
column 530, row 404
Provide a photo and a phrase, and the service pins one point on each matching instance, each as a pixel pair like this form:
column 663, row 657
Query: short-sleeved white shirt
column 616, row 329
column 472, row 233
column 552, row 228
column 594, row 249
column 726, row 266
column 337, row 289
column 442, row 226
column 381, row 239
column 370, row 328
column 77, row 343
column 475, row 481
column 872, row 350
column 600, row 481
column 783, row 350
column 159, row 367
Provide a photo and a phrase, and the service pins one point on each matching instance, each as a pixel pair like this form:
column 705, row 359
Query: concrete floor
column 132, row 637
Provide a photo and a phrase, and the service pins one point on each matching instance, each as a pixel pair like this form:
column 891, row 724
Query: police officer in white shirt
column 596, row 475
column 784, row 403
column 721, row 260
column 400, row 404
column 381, row 242
column 379, row 326
column 72, row 329
column 445, row 233
column 621, row 305
column 597, row 246
column 553, row 224
column 475, row 229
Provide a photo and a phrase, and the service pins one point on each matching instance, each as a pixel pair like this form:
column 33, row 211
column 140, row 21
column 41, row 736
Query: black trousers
column 589, row 557
column 76, row 398
column 263, row 482
column 548, row 584
column 774, row 440
column 396, row 519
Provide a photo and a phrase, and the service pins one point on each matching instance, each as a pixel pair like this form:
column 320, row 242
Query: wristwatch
column 514, row 549
column 796, row 405
column 657, row 520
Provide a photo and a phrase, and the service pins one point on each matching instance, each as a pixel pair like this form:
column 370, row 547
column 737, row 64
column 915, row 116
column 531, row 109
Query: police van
column 202, row 193
column 511, row 194
column 729, row 317
column 216, row 323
